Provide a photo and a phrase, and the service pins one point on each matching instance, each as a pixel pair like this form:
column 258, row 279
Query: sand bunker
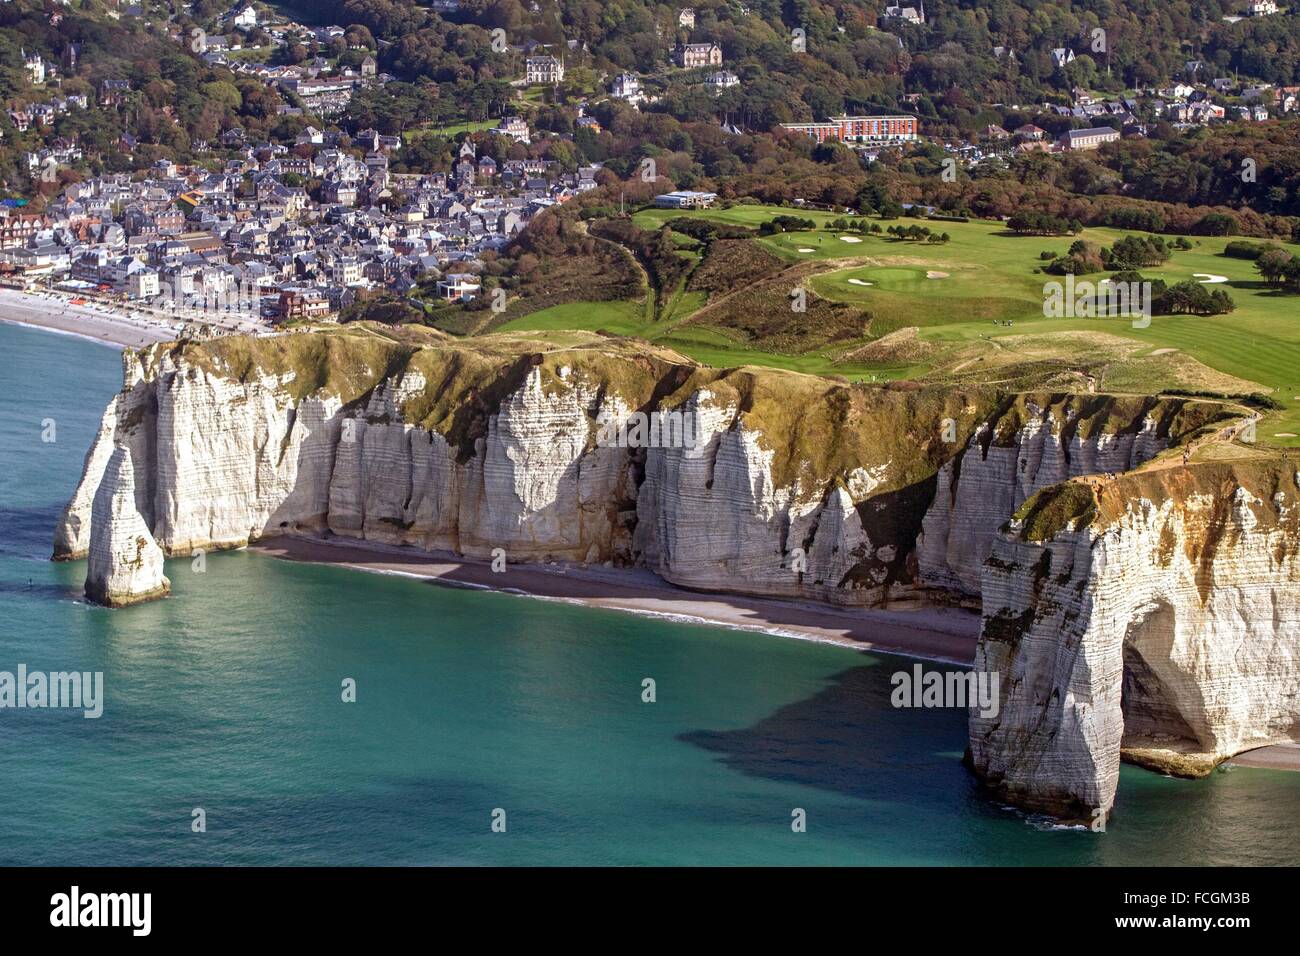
column 849, row 239
column 1163, row 351
column 806, row 249
column 1284, row 434
column 935, row 274
column 858, row 282
column 1209, row 278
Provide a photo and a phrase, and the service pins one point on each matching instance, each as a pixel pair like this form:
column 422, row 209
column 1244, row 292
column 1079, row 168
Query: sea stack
column 125, row 564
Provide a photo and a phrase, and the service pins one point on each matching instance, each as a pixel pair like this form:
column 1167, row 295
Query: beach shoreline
column 944, row 635
column 1273, row 757
column 113, row 328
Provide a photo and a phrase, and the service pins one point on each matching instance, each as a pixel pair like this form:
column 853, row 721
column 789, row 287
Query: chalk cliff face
column 1032, row 447
column 1160, row 625
column 1157, row 614
column 789, row 485
column 125, row 564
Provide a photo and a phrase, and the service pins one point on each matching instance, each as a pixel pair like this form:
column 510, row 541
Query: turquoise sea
column 227, row 697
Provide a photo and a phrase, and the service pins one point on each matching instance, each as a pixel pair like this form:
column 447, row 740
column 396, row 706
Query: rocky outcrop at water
column 125, row 564
column 1155, row 616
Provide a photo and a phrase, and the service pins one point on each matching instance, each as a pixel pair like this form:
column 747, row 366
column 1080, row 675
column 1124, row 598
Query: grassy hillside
column 977, row 301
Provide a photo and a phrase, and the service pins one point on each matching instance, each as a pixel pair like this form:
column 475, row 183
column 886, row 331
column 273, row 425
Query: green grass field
column 701, row 344
column 982, row 292
column 619, row 318
column 449, row 130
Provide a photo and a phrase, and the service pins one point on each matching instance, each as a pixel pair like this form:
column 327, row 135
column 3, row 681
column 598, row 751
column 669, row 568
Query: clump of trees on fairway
column 1241, row 249
column 852, row 225
column 1280, row 269
column 1031, row 223
column 1128, row 253
column 917, row 234
column 1189, row 298
column 706, row 230
column 1083, row 258
column 1182, row 298
column 1134, row 252
column 785, row 224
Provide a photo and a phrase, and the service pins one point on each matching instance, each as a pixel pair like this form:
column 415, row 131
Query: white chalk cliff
column 1157, row 615
column 795, row 486
column 124, row 565
column 792, row 486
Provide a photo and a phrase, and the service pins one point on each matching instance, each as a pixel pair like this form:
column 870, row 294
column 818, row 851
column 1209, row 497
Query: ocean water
column 227, row 697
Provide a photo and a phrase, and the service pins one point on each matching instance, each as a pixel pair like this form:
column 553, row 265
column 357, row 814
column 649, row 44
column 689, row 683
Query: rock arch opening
column 1158, row 701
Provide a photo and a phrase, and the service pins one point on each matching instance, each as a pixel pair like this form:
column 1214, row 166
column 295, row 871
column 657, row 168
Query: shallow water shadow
column 42, row 590
column 849, row 739
column 28, row 532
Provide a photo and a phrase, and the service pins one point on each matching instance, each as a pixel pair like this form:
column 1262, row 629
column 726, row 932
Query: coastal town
column 244, row 239
column 302, row 228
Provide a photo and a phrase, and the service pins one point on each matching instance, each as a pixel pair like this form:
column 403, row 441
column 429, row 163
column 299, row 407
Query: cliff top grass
column 1069, row 505
column 346, row 362
column 817, row 429
column 1098, row 503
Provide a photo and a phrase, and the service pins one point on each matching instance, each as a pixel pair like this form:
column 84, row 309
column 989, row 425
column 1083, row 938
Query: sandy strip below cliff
column 54, row 315
column 1276, row 757
column 939, row 634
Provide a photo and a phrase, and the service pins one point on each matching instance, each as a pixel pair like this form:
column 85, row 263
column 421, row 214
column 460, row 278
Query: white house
column 459, row 286
column 627, row 87
column 244, row 18
column 142, row 284
column 347, row 271
column 907, row 14
column 1262, row 8
column 516, row 127
column 543, row 69
column 35, row 67
column 723, row 79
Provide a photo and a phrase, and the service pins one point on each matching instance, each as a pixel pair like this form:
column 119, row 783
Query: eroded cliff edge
column 799, row 486
column 1155, row 614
